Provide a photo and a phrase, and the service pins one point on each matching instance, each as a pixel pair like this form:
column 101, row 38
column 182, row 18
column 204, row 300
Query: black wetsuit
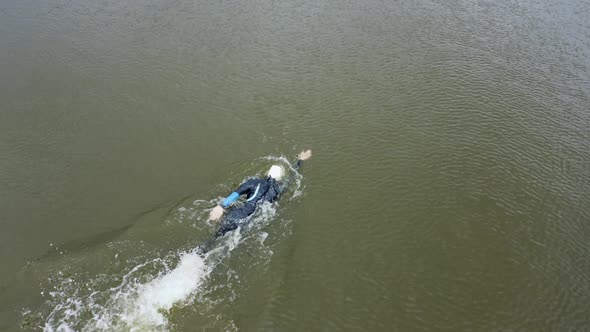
column 257, row 191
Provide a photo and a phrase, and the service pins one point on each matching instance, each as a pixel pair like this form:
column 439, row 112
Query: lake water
column 449, row 188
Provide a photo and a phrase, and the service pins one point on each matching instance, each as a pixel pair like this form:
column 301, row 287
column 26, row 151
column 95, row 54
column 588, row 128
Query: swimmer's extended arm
column 304, row 155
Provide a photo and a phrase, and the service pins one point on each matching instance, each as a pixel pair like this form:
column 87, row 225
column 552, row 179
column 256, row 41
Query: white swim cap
column 276, row 172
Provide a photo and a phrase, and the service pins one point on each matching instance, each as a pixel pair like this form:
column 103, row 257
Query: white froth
column 162, row 293
column 137, row 305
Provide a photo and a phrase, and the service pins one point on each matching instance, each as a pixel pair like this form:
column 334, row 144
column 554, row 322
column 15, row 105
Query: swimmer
column 257, row 191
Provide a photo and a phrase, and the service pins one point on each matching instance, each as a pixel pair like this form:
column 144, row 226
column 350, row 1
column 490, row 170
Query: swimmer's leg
column 206, row 246
column 226, row 227
column 232, row 220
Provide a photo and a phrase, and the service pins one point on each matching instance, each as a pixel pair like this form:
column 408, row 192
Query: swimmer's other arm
column 217, row 211
column 303, row 155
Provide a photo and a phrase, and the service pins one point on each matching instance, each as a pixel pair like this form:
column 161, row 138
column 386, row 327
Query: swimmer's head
column 276, row 172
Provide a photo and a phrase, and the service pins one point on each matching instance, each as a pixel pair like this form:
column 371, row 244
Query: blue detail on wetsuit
column 230, row 199
column 255, row 193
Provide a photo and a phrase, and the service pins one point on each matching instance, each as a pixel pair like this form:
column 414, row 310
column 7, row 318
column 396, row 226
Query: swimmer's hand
column 304, row 155
column 216, row 213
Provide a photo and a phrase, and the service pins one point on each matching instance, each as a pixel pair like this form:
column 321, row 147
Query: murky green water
column 449, row 188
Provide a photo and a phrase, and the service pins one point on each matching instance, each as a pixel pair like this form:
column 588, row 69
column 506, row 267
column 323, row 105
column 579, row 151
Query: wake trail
column 142, row 297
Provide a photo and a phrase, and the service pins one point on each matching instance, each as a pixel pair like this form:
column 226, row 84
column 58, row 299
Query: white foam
column 63, row 327
column 136, row 306
column 142, row 298
column 162, row 293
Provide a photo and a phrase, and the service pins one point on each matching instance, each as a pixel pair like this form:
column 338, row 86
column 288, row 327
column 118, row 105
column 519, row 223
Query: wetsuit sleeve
column 244, row 188
column 247, row 187
column 298, row 164
column 230, row 199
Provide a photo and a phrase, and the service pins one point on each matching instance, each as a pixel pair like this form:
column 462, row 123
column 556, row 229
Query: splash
column 162, row 293
column 140, row 297
column 134, row 304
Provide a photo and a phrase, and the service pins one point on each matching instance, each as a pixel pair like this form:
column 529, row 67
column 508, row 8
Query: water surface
column 448, row 189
